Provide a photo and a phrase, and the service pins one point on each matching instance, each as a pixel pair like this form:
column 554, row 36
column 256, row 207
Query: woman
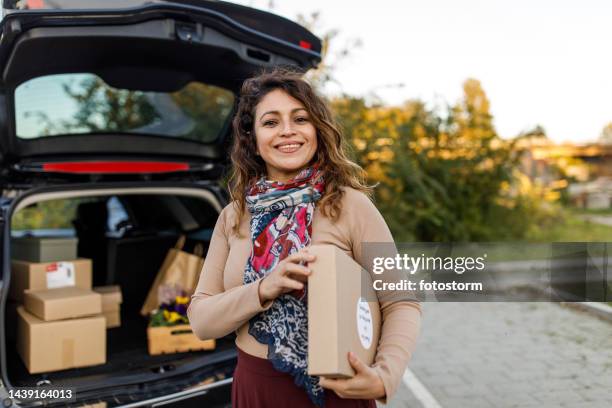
column 292, row 185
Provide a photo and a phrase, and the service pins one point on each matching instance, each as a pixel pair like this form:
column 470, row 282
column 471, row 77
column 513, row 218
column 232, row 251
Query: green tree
column 444, row 175
column 47, row 214
column 208, row 106
column 197, row 111
column 105, row 109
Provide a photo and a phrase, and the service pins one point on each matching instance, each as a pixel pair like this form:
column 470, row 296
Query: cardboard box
column 175, row 339
column 49, row 275
column 339, row 319
column 111, row 297
column 113, row 319
column 62, row 303
column 111, row 304
column 43, row 249
column 59, row 345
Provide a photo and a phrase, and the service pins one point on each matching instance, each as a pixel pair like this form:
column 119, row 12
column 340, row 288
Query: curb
column 598, row 309
column 601, row 310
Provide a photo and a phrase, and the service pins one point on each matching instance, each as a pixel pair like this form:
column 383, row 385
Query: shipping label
column 60, row 274
column 365, row 327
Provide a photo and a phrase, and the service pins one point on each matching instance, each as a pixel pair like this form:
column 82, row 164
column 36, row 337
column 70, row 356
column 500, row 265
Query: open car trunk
column 141, row 117
column 127, row 231
column 153, row 80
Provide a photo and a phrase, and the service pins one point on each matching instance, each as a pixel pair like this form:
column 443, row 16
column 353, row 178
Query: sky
column 541, row 62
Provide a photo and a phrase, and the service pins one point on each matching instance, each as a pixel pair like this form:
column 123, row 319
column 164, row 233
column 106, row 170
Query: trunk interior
column 127, row 235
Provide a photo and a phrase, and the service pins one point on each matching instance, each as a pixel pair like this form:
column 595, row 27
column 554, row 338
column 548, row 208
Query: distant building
column 587, row 168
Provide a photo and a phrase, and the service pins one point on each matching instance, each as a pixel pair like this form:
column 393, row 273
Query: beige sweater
column 223, row 304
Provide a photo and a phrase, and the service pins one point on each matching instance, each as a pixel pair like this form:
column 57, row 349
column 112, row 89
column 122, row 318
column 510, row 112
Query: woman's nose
column 287, row 129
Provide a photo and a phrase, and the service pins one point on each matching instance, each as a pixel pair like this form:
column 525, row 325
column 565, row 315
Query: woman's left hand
column 366, row 384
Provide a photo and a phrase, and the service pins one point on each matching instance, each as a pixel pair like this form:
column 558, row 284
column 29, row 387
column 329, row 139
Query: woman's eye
column 301, row 119
column 269, row 123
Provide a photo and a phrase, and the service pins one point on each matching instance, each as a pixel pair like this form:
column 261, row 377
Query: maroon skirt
column 257, row 384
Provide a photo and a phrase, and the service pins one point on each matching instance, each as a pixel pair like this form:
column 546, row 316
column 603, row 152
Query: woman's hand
column 366, row 384
column 288, row 276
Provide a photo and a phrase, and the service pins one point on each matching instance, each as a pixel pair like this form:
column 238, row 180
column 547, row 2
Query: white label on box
column 60, row 274
column 364, row 323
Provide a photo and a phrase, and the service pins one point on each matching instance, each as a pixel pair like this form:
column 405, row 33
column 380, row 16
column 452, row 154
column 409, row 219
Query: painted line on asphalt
column 419, row 390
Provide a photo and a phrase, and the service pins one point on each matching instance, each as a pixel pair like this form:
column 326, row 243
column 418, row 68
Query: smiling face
column 285, row 135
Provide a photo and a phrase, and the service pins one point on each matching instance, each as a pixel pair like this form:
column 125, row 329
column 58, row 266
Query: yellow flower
column 182, row 300
column 174, row 317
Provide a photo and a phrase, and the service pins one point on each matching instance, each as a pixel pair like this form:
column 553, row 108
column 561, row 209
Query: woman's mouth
column 289, row 148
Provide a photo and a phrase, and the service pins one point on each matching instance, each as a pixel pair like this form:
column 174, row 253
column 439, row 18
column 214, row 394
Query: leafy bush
column 444, row 176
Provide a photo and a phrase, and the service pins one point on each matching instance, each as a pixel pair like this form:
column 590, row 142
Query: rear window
column 71, row 104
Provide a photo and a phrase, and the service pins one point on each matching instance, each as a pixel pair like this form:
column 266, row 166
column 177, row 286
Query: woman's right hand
column 288, row 276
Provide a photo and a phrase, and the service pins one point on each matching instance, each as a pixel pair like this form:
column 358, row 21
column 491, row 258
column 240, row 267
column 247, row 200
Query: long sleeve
column 401, row 319
column 215, row 312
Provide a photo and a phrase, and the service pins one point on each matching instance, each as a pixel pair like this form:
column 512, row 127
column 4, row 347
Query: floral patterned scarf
column 281, row 224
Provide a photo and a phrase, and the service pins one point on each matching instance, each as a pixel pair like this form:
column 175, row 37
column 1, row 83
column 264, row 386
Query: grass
column 573, row 229
column 586, row 211
column 570, row 227
column 537, row 246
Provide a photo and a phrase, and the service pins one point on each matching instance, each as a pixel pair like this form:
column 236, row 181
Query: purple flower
column 181, row 309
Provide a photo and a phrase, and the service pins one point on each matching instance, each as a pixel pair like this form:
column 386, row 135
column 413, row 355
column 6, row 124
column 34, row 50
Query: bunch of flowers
column 172, row 309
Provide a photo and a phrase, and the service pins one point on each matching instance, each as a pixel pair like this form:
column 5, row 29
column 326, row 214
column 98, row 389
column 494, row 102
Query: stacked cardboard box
column 111, row 304
column 43, row 249
column 48, row 275
column 61, row 328
column 62, row 303
column 60, row 324
column 61, row 344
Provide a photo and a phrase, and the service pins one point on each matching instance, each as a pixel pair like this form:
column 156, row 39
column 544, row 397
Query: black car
column 117, row 115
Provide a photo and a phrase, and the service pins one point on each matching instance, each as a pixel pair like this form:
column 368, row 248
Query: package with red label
column 48, row 275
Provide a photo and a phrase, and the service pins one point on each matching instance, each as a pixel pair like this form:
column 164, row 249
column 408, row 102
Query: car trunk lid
column 113, row 90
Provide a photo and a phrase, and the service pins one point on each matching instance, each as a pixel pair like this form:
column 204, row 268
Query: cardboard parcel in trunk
column 48, row 275
column 62, row 303
column 111, row 304
column 61, row 344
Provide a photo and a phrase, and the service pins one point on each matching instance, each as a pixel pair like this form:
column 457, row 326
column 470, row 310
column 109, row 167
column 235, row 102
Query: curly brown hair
column 331, row 155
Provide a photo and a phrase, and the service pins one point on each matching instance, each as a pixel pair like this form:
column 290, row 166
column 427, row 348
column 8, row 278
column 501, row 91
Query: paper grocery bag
column 179, row 269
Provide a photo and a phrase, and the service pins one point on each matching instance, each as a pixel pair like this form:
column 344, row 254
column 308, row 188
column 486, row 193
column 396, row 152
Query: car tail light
column 106, row 167
column 305, row 44
column 35, row 4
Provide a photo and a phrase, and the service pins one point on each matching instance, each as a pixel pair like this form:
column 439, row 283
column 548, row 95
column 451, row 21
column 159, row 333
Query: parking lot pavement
column 511, row 355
